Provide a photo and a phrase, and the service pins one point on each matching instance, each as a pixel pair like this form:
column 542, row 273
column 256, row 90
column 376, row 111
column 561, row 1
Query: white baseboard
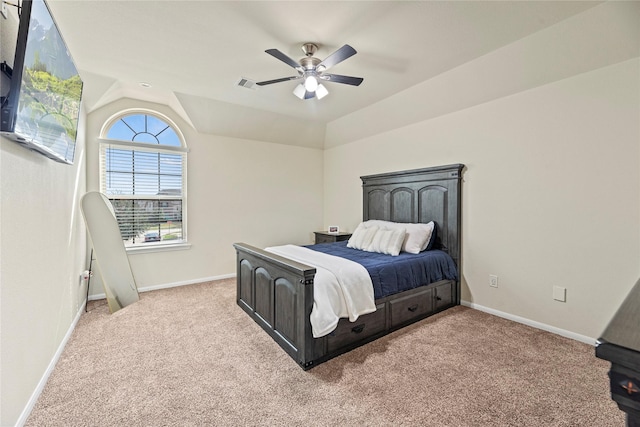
column 564, row 333
column 47, row 373
column 170, row 285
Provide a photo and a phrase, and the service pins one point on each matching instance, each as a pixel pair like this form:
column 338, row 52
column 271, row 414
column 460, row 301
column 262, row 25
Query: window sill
column 158, row 248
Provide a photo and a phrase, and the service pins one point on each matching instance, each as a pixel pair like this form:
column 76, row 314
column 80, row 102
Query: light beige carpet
column 189, row 356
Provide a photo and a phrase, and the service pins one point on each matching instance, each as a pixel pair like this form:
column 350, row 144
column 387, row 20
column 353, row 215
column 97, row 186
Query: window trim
column 133, row 250
column 103, row 142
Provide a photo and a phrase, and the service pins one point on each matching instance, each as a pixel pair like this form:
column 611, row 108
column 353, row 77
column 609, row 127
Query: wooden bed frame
column 277, row 292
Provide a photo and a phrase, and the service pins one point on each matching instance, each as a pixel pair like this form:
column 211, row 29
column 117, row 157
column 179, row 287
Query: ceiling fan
column 312, row 71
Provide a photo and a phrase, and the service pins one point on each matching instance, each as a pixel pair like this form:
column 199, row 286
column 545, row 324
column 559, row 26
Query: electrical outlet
column 3, row 9
column 560, row 293
column 493, row 280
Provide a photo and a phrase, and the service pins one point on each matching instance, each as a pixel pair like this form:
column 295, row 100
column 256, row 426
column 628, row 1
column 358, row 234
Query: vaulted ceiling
column 193, row 53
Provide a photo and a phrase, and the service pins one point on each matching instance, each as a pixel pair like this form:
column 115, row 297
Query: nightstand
column 326, row 237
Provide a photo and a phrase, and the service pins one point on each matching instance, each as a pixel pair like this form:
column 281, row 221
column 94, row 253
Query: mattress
column 393, row 274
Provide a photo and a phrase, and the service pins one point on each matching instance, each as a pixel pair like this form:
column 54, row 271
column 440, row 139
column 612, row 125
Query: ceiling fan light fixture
column 311, row 70
column 311, row 83
column 321, row 91
column 299, row 91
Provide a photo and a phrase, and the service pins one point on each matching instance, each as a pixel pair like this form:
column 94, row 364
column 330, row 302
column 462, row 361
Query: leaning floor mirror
column 108, row 249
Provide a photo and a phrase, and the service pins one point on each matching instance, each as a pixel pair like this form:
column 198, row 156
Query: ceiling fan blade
column 337, row 78
column 338, row 56
column 283, row 79
column 284, row 58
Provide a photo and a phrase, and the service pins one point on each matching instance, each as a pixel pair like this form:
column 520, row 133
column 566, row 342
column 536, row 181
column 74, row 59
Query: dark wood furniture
column 620, row 345
column 326, row 237
column 278, row 293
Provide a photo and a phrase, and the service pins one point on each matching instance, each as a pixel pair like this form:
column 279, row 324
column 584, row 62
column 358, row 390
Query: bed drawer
column 443, row 295
column 411, row 307
column 349, row 332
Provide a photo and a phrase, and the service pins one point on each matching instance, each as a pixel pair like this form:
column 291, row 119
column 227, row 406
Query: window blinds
column 145, row 189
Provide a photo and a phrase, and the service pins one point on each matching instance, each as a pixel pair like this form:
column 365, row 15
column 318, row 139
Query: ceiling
column 193, row 53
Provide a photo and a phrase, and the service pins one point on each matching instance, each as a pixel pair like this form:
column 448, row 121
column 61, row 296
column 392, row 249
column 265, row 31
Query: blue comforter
column 393, row 274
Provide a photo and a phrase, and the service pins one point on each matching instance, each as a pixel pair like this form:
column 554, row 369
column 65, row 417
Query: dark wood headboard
column 418, row 196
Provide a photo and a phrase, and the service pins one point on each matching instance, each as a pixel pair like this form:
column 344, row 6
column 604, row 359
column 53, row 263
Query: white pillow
column 362, row 236
column 387, row 241
column 417, row 236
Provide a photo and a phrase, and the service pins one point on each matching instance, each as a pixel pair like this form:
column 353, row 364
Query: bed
column 277, row 292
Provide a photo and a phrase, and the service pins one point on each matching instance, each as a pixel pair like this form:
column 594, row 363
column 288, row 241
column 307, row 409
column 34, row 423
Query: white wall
column 238, row 191
column 551, row 193
column 42, row 254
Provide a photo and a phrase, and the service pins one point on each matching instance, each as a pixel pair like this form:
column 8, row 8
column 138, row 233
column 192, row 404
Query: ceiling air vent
column 249, row 84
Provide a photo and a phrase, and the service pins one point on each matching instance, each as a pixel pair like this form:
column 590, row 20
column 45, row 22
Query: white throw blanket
column 342, row 288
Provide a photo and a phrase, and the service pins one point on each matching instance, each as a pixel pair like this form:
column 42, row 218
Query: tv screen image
column 43, row 105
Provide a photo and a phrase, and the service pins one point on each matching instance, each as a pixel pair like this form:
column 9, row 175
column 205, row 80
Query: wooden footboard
column 278, row 294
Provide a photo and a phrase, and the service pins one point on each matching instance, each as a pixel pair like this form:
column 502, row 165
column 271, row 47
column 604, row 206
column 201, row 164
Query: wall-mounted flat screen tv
column 42, row 107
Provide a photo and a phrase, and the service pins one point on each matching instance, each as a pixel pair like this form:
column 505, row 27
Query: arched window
column 142, row 171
